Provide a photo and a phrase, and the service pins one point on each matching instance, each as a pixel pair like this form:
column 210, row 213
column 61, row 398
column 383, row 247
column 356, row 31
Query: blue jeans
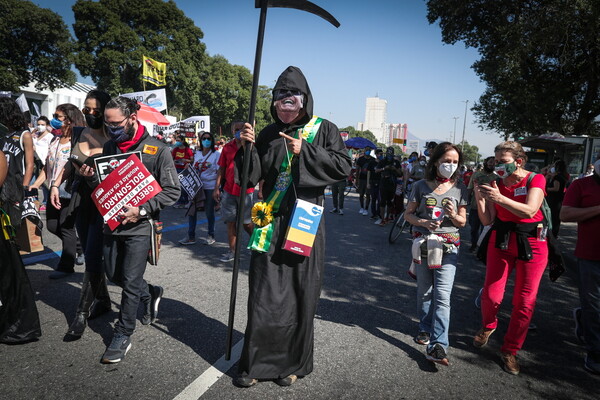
column 209, row 209
column 434, row 287
column 589, row 295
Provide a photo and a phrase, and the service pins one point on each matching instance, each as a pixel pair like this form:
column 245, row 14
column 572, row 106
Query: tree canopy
column 36, row 46
column 113, row 37
column 470, row 153
column 540, row 61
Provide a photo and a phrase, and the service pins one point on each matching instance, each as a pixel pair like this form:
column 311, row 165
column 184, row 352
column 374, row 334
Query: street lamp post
column 454, row 137
column 462, row 143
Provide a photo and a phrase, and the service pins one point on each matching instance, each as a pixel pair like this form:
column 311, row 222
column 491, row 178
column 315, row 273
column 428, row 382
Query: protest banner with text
column 129, row 185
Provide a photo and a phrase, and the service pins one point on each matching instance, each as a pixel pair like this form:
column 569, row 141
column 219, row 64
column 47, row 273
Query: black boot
column 83, row 310
column 102, row 304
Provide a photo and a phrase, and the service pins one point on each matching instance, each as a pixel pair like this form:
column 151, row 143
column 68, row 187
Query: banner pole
column 244, row 179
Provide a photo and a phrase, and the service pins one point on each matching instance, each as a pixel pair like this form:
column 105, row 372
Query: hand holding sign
column 293, row 145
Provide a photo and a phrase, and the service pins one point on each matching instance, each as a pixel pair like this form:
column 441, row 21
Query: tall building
column 375, row 116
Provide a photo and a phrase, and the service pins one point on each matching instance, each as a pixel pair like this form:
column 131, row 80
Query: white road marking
column 202, row 383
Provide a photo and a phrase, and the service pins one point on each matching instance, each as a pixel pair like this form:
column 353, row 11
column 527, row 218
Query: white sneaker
column 210, row 240
column 227, row 257
column 333, row 211
column 341, row 212
column 365, row 212
column 362, row 210
column 378, row 221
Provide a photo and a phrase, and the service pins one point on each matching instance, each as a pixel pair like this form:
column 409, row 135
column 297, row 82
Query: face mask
column 289, row 108
column 120, row 134
column 237, row 135
column 94, row 121
column 41, row 129
column 206, row 143
column 367, row 153
column 422, row 163
column 390, row 156
column 505, row 170
column 597, row 167
column 411, row 159
column 447, row 169
column 380, row 157
column 488, row 169
column 552, row 170
column 56, row 123
column 177, row 144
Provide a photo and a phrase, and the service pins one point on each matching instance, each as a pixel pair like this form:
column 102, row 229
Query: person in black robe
column 284, row 286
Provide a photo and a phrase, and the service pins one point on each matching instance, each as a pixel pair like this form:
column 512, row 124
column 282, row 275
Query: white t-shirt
column 42, row 145
column 207, row 165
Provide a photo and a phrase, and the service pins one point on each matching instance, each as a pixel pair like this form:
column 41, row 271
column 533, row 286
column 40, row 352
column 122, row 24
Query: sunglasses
column 115, row 124
column 91, row 111
column 284, row 93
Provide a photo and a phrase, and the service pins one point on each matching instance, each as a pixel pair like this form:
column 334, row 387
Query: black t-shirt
column 388, row 176
column 557, row 197
column 362, row 164
column 371, row 166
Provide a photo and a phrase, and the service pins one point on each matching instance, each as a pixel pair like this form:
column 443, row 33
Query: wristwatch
column 143, row 212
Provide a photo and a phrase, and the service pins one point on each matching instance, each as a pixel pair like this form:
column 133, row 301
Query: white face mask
column 447, row 169
column 552, row 170
column 41, row 129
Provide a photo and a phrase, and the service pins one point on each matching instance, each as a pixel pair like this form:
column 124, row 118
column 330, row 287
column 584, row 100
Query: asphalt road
column 363, row 331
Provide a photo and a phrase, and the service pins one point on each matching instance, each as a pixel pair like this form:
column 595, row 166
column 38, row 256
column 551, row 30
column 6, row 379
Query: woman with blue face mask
column 206, row 165
column 69, row 121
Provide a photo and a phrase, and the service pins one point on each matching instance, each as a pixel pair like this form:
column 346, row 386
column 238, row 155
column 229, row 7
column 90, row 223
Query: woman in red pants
column 516, row 242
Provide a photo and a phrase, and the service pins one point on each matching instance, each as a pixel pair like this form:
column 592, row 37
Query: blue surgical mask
column 411, row 159
column 237, row 135
column 368, row 153
column 177, row 143
column 206, row 143
column 56, row 123
column 118, row 134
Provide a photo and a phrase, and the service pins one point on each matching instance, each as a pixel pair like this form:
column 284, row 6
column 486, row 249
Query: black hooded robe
column 285, row 287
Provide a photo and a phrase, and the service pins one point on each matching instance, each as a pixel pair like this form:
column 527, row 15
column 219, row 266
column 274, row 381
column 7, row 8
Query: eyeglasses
column 91, row 111
column 58, row 116
column 115, row 124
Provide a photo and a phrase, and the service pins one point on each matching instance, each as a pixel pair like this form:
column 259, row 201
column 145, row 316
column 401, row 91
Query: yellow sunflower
column 262, row 214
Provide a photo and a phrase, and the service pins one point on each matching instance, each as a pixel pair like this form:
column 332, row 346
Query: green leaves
column 36, row 45
column 539, row 59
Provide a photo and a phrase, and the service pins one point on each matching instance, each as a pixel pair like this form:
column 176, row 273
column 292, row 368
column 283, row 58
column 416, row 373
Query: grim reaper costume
column 284, row 286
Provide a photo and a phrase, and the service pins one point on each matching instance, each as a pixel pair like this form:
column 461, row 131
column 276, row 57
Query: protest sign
column 190, row 181
column 107, row 164
column 129, row 184
column 156, row 99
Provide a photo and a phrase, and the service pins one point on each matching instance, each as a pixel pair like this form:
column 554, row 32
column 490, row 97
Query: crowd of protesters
column 435, row 191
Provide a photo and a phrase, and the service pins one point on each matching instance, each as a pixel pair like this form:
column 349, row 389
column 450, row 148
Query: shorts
column 229, row 205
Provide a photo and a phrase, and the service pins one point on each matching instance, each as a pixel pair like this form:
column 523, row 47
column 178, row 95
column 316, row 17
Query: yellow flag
column 154, row 72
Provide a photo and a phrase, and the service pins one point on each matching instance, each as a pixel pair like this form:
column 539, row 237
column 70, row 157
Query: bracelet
column 51, row 186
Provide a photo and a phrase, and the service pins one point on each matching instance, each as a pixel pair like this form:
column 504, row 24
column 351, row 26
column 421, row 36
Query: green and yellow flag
column 154, row 72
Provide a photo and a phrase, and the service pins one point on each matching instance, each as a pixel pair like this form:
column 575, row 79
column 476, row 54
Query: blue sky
column 383, row 47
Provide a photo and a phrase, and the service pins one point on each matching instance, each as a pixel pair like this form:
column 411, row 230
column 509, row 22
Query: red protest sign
column 130, row 184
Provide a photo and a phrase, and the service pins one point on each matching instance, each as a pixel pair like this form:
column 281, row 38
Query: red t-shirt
column 467, row 177
column 180, row 154
column 518, row 192
column 226, row 161
column 584, row 193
